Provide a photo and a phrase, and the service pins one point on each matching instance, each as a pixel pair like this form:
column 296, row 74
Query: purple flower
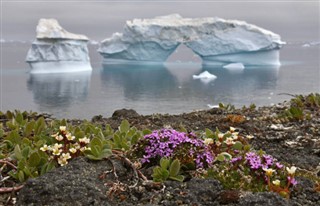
column 168, row 142
column 279, row 165
column 292, row 180
column 253, row 160
column 236, row 159
column 268, row 160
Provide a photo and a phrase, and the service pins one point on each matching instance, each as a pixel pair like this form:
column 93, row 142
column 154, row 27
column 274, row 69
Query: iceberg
column 215, row 40
column 205, row 77
column 56, row 50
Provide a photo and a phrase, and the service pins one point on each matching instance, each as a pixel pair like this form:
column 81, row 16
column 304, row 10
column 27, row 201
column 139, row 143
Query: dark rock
column 263, row 199
column 77, row 183
column 125, row 113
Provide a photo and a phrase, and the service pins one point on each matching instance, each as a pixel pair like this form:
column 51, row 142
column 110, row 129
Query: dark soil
column 296, row 142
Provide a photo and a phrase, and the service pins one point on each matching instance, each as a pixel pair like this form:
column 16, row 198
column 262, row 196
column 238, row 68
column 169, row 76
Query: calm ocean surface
column 167, row 88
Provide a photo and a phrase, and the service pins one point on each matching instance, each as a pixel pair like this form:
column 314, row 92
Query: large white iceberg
column 55, row 50
column 213, row 39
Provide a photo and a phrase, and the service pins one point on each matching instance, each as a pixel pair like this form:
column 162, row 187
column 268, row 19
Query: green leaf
column 220, row 157
column 237, row 145
column 146, row 132
column 79, row 134
column 29, row 128
column 182, row 129
column 1, row 133
column 124, row 126
column 19, row 118
column 25, row 151
column 14, row 137
column 226, row 155
column 95, row 150
column 39, row 126
column 174, row 168
column 17, row 152
column 34, row 159
column 164, row 163
column 63, row 122
column 209, row 133
column 95, row 142
column 135, row 139
column 178, row 178
column 117, row 140
column 21, row 176
column 9, row 115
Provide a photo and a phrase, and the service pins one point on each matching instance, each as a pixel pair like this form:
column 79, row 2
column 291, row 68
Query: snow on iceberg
column 213, row 39
column 55, row 50
column 234, row 66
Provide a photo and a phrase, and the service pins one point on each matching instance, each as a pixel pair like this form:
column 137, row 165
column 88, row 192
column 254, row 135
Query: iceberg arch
column 215, row 40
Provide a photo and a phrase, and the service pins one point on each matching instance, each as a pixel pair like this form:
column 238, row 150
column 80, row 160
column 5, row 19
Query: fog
column 293, row 20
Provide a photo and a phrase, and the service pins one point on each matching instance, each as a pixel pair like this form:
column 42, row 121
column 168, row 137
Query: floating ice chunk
column 234, row 66
column 205, row 77
column 310, row 44
column 212, row 106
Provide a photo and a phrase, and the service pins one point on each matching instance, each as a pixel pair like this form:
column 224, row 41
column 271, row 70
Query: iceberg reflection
column 170, row 83
column 59, row 90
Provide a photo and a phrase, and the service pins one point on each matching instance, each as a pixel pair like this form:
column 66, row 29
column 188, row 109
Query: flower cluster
column 65, row 147
column 173, row 144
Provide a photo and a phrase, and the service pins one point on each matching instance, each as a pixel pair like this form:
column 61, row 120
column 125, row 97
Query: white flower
column 229, row 141
column 208, row 141
column 66, row 155
column 59, row 137
column 76, row 146
column 62, row 128
column 84, row 140
column 62, row 161
column 82, row 149
column 70, row 137
column 218, row 143
column 276, row 182
column 72, row 150
column 291, row 170
column 54, row 135
column 235, row 135
column 249, row 136
column 57, row 146
column 56, row 151
column 232, row 129
column 268, row 171
column 45, row 148
column 220, row 135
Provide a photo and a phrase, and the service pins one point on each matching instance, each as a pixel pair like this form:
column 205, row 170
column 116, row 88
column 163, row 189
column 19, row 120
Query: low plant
column 168, row 169
column 237, row 166
column 186, row 147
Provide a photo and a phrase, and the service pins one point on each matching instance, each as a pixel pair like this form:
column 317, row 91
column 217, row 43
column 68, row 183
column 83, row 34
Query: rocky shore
column 290, row 135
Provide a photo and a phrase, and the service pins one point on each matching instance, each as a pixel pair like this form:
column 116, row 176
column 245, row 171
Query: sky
column 293, row 20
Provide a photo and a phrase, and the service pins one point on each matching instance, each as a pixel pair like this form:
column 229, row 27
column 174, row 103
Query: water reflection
column 138, row 80
column 59, row 90
column 174, row 82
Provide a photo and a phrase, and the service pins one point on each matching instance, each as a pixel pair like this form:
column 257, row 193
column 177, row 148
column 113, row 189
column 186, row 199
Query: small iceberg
column 57, row 51
column 205, row 77
column 311, row 44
